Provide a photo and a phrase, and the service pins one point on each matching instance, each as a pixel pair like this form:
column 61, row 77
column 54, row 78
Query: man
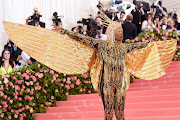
column 112, row 15
column 159, row 10
column 129, row 29
column 121, row 19
column 138, row 17
column 164, row 24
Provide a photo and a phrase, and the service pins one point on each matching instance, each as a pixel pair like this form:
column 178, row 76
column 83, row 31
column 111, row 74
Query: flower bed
column 36, row 87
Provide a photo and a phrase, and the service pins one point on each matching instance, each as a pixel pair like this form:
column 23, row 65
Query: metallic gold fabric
column 151, row 62
column 56, row 51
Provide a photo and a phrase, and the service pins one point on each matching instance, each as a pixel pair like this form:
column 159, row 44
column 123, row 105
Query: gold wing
column 151, row 62
column 59, row 52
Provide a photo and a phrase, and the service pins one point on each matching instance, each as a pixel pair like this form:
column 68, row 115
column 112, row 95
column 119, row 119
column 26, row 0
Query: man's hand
column 29, row 62
column 19, row 57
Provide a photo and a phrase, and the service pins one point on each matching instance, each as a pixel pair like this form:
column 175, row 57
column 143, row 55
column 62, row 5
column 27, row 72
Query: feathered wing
column 151, row 62
column 59, row 52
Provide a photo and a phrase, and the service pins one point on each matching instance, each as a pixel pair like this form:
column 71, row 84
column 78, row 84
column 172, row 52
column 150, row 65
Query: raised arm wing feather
column 59, row 52
column 151, row 62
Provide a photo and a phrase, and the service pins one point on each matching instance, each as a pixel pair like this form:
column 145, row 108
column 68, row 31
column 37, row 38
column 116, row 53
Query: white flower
column 6, row 80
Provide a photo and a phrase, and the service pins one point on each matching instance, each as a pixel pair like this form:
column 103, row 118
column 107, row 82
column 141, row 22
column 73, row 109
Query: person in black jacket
column 129, row 29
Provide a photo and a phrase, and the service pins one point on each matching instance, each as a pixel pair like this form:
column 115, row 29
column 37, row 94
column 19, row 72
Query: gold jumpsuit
column 112, row 82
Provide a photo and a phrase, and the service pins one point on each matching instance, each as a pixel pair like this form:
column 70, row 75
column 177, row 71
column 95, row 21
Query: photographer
column 159, row 10
column 80, row 29
column 56, row 21
column 138, row 17
column 34, row 20
column 112, row 15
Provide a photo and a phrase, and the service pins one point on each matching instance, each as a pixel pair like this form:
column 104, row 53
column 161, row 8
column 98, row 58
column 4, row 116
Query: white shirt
column 145, row 27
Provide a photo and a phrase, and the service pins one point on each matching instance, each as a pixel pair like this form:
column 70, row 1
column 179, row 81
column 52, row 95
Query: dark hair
column 10, row 59
column 156, row 17
column 122, row 12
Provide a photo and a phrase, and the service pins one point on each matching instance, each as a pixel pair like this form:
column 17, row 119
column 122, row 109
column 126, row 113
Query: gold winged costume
column 110, row 62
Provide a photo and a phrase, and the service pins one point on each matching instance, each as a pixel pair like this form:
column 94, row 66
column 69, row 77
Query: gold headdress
column 112, row 26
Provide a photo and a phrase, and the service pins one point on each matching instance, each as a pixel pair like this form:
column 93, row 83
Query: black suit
column 16, row 54
column 129, row 30
column 167, row 26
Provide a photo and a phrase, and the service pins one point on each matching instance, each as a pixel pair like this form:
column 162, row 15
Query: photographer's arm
column 138, row 45
column 163, row 12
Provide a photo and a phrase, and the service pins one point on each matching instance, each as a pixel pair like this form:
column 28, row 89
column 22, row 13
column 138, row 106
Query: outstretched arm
column 138, row 45
column 80, row 37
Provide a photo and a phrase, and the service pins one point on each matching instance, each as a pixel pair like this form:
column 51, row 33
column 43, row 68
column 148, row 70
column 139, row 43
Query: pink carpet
column 146, row 100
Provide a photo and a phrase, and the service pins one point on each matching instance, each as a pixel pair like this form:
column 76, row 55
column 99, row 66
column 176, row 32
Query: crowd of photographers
column 144, row 17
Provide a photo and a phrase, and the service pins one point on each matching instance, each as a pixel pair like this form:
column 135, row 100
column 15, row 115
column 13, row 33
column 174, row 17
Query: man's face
column 119, row 34
column 98, row 20
column 122, row 15
column 165, row 20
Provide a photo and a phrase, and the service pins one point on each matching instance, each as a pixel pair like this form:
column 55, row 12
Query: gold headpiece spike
column 105, row 19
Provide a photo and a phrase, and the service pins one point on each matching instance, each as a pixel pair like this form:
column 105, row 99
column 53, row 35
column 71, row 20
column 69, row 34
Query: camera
column 56, row 18
column 99, row 6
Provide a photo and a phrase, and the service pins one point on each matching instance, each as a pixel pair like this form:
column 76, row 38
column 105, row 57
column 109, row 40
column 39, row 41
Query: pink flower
column 31, row 110
column 84, row 75
column 14, row 78
column 81, row 89
column 166, row 34
column 2, row 115
column 23, row 87
column 68, row 82
column 143, row 39
column 6, row 80
column 27, row 107
column 17, row 111
column 74, row 78
column 20, row 82
column 41, row 105
column 27, row 77
column 78, row 82
column 133, row 40
column 67, row 87
column 28, row 90
column 27, row 83
column 52, row 97
column 67, row 94
column 72, row 85
column 51, row 72
column 152, row 36
column 61, row 84
column 136, row 39
column 84, row 89
column 31, row 92
column 27, row 71
column 64, row 80
column 12, row 110
column 56, row 75
column 20, row 104
column 64, row 74
column 58, row 80
column 46, row 103
column 40, row 75
column 68, row 79
column 17, row 88
column 24, row 114
column 56, row 90
column 11, row 101
column 5, row 96
column 152, row 30
column 4, row 109
column 15, row 116
column 31, row 82
column 38, row 65
column 89, row 91
column 10, row 117
column 18, row 73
